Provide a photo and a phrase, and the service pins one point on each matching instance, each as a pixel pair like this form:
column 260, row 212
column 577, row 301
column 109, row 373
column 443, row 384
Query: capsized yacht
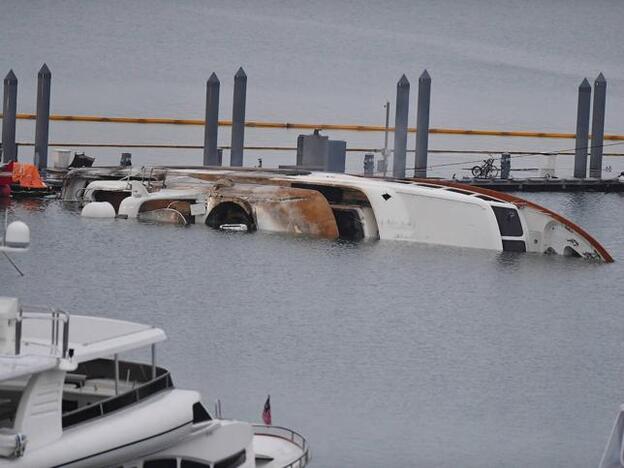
column 332, row 206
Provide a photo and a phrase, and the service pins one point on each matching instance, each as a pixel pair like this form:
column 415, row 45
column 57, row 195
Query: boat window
column 465, row 192
column 508, row 221
column 161, row 463
column 229, row 213
column 193, row 464
column 200, row 414
column 486, row 198
column 232, row 462
column 514, row 246
column 349, row 224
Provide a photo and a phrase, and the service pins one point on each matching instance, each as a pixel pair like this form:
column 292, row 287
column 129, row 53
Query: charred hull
column 335, row 206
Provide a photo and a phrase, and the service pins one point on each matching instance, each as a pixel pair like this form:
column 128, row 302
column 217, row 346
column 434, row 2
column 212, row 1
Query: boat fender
column 12, row 444
column 98, row 210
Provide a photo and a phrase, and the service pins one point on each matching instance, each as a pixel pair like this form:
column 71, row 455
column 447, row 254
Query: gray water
column 382, row 353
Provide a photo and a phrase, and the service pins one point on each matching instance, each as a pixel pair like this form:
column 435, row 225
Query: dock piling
column 42, row 125
column 211, row 125
column 422, row 125
column 598, row 120
column 400, row 127
column 9, row 114
column 238, row 118
column 582, row 129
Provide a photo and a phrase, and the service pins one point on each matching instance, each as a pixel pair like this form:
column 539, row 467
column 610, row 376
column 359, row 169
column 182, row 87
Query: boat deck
column 288, row 449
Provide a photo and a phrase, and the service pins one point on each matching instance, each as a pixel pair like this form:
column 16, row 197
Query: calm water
column 382, row 354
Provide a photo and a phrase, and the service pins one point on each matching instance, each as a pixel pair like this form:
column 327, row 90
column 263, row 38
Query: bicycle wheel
column 493, row 172
column 476, row 171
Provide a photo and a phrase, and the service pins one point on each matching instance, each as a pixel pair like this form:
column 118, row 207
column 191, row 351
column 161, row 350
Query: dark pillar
column 9, row 112
column 598, row 120
column 211, row 126
column 422, row 125
column 582, row 129
column 400, row 127
column 44, row 79
column 238, row 118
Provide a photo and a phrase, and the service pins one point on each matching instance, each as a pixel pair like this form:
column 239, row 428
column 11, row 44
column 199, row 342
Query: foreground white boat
column 335, row 206
column 64, row 402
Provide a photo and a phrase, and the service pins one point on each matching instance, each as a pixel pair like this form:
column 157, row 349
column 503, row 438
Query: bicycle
column 486, row 170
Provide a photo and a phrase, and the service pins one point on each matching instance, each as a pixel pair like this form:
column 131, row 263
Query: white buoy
column 98, row 210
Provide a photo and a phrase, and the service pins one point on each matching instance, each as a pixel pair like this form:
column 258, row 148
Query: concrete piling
column 44, row 79
column 422, row 125
column 9, row 113
column 400, row 127
column 238, row 118
column 598, row 120
column 211, row 126
column 582, row 129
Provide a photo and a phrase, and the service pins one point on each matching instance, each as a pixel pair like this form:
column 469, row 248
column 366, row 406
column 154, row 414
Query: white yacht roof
column 91, row 337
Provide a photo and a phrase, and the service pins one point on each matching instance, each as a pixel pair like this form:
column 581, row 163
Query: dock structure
column 544, row 185
column 9, row 114
column 400, row 127
column 333, row 158
column 211, row 127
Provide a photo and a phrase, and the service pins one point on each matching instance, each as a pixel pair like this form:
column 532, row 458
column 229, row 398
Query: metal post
column 422, row 125
column 582, row 129
column 400, row 127
column 238, row 118
column 116, row 374
column 385, row 153
column 211, row 126
column 505, row 165
column 153, row 361
column 44, row 79
column 9, row 112
column 598, row 120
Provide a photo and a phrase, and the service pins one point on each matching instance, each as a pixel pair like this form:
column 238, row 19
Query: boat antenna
column 13, row 263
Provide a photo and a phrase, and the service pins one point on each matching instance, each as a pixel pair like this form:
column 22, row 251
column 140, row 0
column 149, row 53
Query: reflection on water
column 382, row 353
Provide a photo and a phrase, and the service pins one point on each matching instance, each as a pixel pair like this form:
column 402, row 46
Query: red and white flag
column 266, row 412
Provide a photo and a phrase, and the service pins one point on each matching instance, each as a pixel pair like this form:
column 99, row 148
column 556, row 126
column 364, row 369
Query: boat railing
column 59, row 319
column 290, row 435
column 114, row 403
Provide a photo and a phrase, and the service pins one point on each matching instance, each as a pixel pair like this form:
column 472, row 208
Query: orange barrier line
column 312, row 126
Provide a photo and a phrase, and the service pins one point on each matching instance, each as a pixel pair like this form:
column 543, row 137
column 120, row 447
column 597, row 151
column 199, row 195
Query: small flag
column 266, row 412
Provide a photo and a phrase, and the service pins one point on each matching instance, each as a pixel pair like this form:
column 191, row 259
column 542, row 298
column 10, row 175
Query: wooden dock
column 546, row 185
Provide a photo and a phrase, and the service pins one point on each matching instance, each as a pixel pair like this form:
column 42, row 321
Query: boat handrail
column 290, row 435
column 116, row 402
column 55, row 317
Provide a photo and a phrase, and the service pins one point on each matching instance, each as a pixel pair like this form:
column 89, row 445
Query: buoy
column 98, row 210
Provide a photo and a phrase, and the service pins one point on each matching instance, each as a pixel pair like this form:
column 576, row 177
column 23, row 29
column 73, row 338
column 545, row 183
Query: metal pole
column 44, row 79
column 422, row 125
column 598, row 120
column 116, row 374
column 400, row 127
column 211, row 126
column 9, row 109
column 582, row 129
column 238, row 118
column 153, row 361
